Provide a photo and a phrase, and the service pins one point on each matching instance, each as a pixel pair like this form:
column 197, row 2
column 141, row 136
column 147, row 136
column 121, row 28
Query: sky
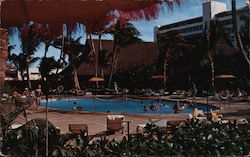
column 187, row 10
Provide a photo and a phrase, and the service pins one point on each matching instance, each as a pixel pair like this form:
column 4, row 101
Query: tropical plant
column 171, row 47
column 29, row 139
column 191, row 138
column 123, row 33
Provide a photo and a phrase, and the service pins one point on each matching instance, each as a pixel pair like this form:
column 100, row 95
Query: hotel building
column 212, row 10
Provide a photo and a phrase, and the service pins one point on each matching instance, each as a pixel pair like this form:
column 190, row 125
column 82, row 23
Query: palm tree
column 22, row 62
column 47, row 65
column 76, row 52
column 214, row 33
column 47, row 39
column 17, row 60
column 30, row 41
column 244, row 33
column 171, row 47
column 236, row 32
column 103, row 60
column 123, row 34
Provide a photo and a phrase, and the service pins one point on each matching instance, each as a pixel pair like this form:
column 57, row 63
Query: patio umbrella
column 158, row 77
column 225, row 76
column 96, row 79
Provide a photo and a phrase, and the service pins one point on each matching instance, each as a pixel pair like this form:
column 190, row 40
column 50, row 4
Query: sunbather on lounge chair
column 241, row 94
column 199, row 114
column 225, row 95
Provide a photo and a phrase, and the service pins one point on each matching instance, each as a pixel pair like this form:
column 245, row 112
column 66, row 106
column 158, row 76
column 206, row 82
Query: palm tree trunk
column 212, row 69
column 236, row 32
column 95, row 57
column 100, row 41
column 28, row 78
column 100, row 49
column 22, row 75
column 76, row 81
column 102, row 72
column 165, row 71
column 46, row 49
column 113, row 64
column 61, row 54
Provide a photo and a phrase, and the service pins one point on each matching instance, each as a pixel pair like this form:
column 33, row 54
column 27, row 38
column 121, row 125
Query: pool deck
column 97, row 122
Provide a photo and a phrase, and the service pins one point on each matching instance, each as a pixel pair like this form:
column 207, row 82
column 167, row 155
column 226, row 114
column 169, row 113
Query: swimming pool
column 131, row 106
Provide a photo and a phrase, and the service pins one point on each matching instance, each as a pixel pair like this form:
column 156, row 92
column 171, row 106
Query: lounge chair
column 78, row 128
column 115, row 123
column 173, row 125
column 160, row 122
column 163, row 92
column 236, row 120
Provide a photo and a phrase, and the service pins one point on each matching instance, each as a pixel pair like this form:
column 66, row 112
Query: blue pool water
column 130, row 106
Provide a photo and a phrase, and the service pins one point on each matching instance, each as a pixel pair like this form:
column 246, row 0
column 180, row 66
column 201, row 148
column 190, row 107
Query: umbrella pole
column 93, row 101
column 47, row 128
column 47, row 123
column 160, row 104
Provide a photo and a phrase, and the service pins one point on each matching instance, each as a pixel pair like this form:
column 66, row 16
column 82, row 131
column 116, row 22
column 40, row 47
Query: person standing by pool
column 194, row 90
column 38, row 96
column 116, row 88
column 74, row 106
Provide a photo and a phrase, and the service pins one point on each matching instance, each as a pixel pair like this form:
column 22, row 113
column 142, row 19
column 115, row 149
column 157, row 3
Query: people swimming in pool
column 186, row 105
column 74, row 107
column 176, row 107
column 79, row 108
column 153, row 106
column 145, row 108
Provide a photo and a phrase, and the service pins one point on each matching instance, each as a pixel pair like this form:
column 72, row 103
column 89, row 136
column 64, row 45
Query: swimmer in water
column 176, row 107
column 152, row 106
column 145, row 108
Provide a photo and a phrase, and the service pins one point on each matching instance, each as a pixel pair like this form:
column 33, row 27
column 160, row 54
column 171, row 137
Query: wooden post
column 3, row 56
column 3, row 61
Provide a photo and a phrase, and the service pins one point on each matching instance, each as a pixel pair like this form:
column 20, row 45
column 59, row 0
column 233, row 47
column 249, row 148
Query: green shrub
column 190, row 139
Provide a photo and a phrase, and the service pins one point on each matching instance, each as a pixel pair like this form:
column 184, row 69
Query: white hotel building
column 212, row 10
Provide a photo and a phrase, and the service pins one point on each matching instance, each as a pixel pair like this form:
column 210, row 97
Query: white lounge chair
column 115, row 123
column 160, row 122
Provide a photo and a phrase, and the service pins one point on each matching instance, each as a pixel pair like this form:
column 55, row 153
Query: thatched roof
column 139, row 54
